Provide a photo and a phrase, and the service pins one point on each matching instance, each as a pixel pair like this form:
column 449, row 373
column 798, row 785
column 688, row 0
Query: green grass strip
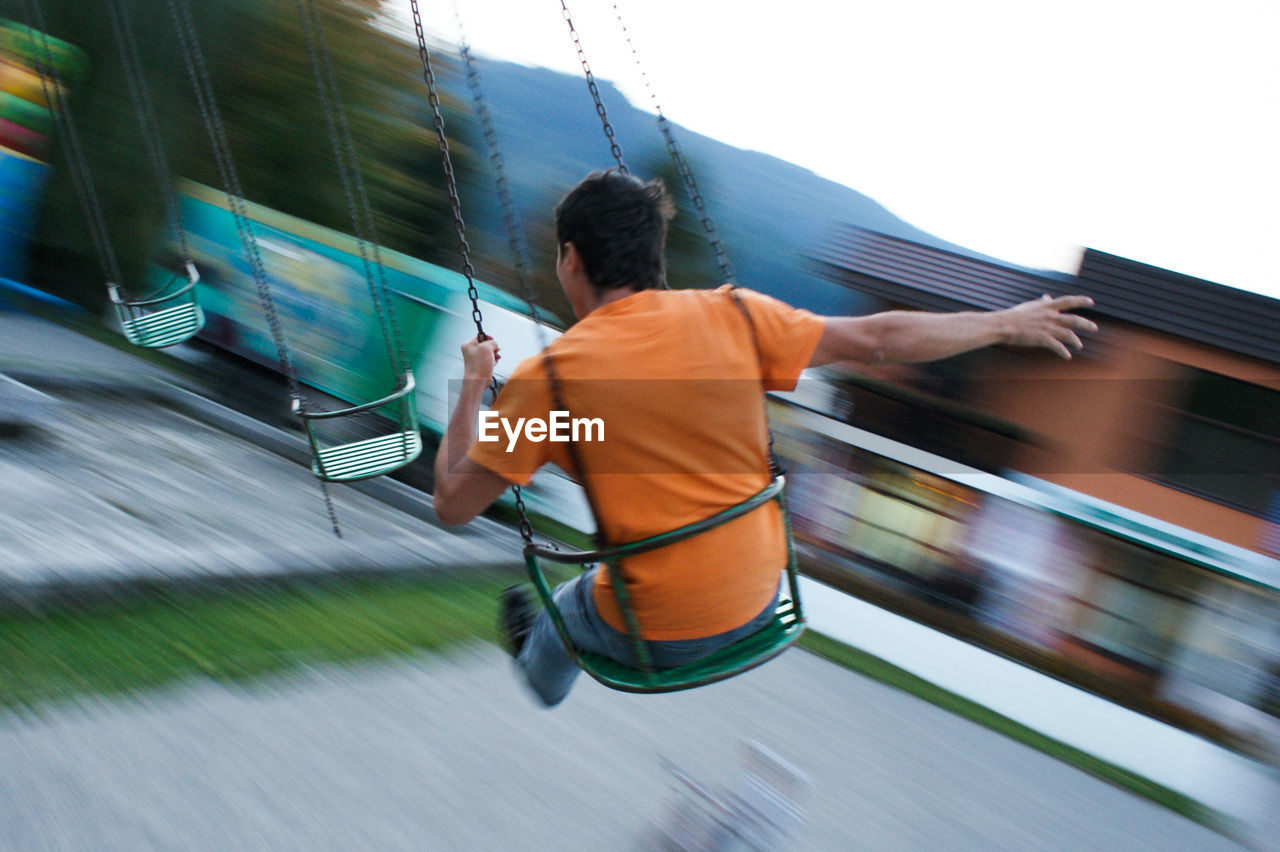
column 163, row 636
column 885, row 672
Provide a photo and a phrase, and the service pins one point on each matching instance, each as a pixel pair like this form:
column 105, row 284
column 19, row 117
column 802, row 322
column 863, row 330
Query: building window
column 1223, row 442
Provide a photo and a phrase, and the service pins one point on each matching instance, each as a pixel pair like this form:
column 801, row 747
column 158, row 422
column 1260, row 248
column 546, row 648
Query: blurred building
column 1173, row 410
column 1129, row 544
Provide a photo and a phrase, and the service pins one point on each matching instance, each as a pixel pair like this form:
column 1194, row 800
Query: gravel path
column 128, row 481
column 448, row 753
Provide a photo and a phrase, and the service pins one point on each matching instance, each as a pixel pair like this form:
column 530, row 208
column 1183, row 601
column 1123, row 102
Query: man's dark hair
column 618, row 223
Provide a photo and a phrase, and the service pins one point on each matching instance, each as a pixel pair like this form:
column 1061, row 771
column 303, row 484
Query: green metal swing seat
column 747, row 653
column 367, row 457
column 164, row 320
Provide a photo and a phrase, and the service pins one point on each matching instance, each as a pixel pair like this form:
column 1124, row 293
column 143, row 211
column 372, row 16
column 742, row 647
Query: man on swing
column 677, row 379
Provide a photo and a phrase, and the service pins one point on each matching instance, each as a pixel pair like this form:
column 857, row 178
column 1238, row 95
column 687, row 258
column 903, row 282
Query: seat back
column 775, row 637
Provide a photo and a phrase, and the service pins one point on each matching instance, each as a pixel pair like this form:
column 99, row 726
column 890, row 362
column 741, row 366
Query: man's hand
column 907, row 337
column 463, row 488
column 479, row 358
column 1044, row 323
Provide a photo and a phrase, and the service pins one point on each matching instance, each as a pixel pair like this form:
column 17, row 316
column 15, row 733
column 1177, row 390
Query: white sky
column 1019, row 128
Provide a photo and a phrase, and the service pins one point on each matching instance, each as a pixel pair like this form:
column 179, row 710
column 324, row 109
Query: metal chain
column 510, row 215
column 708, row 225
column 681, row 163
column 442, row 142
column 353, row 187
column 460, row 227
column 548, row 363
column 81, row 179
column 511, row 223
column 775, row 465
column 614, row 148
column 140, row 95
column 198, row 73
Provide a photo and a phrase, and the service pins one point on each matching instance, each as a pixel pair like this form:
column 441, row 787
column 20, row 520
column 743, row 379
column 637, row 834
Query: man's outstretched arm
column 900, row 337
column 464, row 489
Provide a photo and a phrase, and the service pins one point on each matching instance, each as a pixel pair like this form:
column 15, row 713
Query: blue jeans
column 549, row 669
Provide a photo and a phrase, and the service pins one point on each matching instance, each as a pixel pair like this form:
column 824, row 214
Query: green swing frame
column 164, row 320
column 771, row 640
column 369, row 457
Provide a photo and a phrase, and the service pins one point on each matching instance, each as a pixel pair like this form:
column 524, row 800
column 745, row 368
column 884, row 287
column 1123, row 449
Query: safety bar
column 193, row 277
column 644, row 545
column 402, row 391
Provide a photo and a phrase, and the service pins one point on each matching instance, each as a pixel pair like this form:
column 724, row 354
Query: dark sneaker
column 517, row 617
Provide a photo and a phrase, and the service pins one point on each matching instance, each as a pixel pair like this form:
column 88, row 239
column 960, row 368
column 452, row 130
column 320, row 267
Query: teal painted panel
column 321, row 293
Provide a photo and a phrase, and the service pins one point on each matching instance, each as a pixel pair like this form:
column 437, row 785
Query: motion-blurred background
column 1112, row 523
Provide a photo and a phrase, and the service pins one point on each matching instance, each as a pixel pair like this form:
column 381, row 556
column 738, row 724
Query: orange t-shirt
column 675, row 379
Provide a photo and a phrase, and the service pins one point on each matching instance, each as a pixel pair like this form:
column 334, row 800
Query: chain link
column 681, row 163
column 353, row 187
column 575, row 457
column 510, row 215
column 451, row 182
column 140, row 95
column 511, row 223
column 198, row 73
column 614, row 148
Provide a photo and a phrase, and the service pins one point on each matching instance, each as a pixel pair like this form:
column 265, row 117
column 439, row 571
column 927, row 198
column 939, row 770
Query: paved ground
column 33, row 346
column 129, row 481
column 448, row 753
column 430, row 752
column 123, row 487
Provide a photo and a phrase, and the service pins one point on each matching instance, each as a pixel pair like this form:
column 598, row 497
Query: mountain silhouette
column 769, row 213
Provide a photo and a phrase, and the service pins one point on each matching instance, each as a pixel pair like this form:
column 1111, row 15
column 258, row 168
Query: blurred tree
column 691, row 263
column 284, row 144
column 541, row 232
column 263, row 83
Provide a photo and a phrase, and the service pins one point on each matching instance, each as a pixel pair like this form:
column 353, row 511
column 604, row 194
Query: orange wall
column 1090, row 417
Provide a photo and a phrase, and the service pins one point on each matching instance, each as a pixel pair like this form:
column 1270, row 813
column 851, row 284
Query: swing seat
column 367, row 457
column 747, row 653
column 164, row 327
column 161, row 321
column 760, row 647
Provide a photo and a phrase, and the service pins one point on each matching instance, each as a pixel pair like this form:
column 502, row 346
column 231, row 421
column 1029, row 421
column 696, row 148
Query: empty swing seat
column 747, row 653
column 367, row 457
column 161, row 321
column 370, row 457
column 164, row 327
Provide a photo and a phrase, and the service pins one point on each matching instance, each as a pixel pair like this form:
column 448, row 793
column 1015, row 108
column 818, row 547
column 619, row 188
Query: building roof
column 1192, row 308
column 923, row 277
column 908, row 273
